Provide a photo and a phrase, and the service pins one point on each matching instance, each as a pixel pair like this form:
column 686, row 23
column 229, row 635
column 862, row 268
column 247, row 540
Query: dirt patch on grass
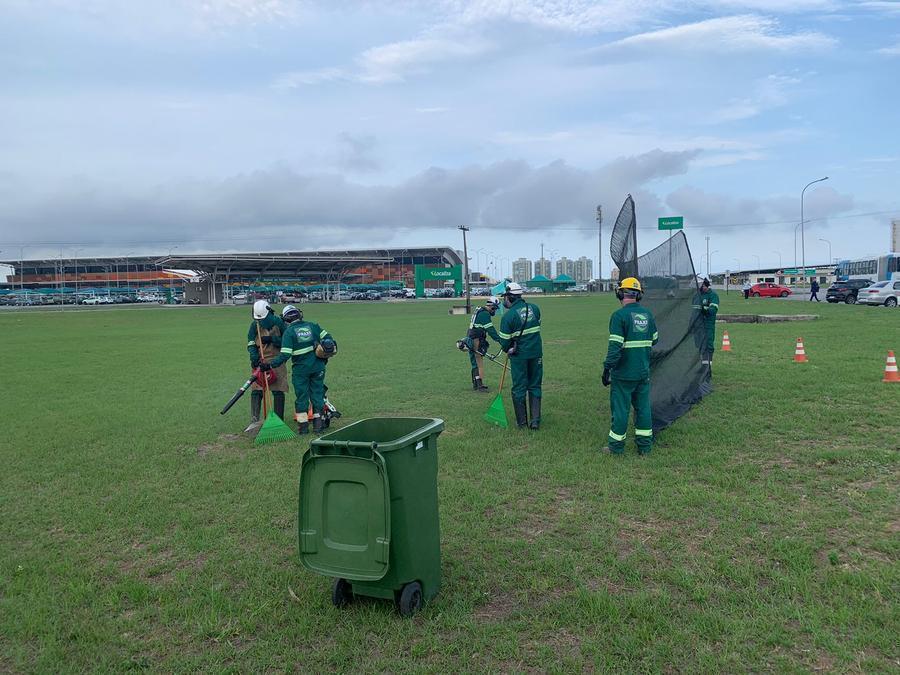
column 224, row 443
column 546, row 517
column 159, row 566
column 499, row 607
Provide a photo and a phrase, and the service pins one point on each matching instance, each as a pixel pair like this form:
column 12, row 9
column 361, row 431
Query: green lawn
column 139, row 530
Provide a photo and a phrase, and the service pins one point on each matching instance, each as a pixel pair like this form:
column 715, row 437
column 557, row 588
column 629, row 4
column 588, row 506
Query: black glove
column 263, row 366
column 605, row 378
column 254, row 363
column 266, row 339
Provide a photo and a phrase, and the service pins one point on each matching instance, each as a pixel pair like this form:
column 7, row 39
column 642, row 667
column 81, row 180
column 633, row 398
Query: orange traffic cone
column 890, row 369
column 726, row 342
column 799, row 353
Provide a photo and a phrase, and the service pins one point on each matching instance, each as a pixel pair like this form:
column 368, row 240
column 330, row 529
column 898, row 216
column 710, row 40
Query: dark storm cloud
column 283, row 202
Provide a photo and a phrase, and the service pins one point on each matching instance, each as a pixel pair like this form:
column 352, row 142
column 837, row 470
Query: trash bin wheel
column 410, row 599
column 341, row 593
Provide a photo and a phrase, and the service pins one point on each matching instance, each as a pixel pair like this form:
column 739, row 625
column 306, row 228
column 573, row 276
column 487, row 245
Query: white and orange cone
column 726, row 342
column 890, row 369
column 799, row 352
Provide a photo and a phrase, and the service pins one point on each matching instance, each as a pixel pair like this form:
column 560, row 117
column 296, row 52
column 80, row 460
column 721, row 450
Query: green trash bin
column 369, row 510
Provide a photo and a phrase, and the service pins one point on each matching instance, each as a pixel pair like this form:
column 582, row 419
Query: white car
column 91, row 301
column 885, row 293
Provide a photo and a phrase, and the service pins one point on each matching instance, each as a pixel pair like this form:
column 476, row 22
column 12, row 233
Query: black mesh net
column 670, row 284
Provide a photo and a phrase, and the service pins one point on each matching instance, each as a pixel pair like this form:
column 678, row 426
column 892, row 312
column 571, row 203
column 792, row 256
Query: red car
column 769, row 291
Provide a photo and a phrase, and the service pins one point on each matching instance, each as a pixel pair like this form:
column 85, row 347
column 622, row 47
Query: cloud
column 740, row 33
column 705, row 209
column 396, row 61
column 284, row 204
column 893, row 50
column 295, row 79
column 357, row 153
column 769, row 92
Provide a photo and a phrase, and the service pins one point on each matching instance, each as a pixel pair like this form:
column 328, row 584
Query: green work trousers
column 623, row 394
column 527, row 375
column 309, row 386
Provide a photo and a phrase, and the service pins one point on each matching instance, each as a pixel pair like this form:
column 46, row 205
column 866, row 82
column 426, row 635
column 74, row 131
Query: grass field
column 140, row 531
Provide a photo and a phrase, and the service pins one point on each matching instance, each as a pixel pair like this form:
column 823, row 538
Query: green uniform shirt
column 299, row 344
column 521, row 312
column 708, row 305
column 632, row 332
column 268, row 323
column 482, row 319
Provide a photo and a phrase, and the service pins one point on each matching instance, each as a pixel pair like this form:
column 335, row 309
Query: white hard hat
column 261, row 309
column 512, row 288
column 493, row 300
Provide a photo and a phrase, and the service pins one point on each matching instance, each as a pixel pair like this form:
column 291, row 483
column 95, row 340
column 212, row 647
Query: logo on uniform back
column 525, row 313
column 641, row 322
column 304, row 333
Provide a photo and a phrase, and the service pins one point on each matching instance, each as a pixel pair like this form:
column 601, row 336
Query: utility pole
column 541, row 260
column 707, row 257
column 465, row 229
column 599, row 244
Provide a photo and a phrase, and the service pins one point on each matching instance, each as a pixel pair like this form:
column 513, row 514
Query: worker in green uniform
column 481, row 326
column 705, row 306
column 632, row 334
column 309, row 347
column 520, row 338
column 264, row 343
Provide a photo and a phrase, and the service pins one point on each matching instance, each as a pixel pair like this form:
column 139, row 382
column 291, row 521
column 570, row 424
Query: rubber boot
column 302, row 428
column 534, row 404
column 475, row 379
column 256, row 398
column 318, row 424
column 279, row 403
column 521, row 413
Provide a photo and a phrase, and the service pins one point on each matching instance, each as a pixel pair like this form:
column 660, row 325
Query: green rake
column 273, row 429
column 496, row 413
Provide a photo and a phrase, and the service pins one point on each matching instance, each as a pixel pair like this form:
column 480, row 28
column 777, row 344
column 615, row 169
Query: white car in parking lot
column 885, row 293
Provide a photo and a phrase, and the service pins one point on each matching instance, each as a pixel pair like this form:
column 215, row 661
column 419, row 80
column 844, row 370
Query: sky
column 242, row 125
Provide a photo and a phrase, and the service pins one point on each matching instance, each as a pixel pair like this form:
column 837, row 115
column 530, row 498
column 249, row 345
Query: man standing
column 746, row 288
column 481, row 326
column 706, row 306
column 309, row 347
column 263, row 343
column 632, row 334
column 814, row 291
column 520, row 338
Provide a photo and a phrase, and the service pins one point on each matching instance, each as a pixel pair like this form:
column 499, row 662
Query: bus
column 874, row 268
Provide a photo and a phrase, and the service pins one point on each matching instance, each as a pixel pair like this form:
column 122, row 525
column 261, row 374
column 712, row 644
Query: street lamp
column 802, row 233
column 75, row 261
column 796, row 230
column 780, row 266
column 829, row 248
column 478, row 258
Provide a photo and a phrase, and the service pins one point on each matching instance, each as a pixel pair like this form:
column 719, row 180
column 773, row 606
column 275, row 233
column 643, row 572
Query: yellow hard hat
column 630, row 284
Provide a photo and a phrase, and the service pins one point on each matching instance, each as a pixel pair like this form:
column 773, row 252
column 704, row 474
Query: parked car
column 766, row 290
column 373, row 295
column 846, row 291
column 885, row 293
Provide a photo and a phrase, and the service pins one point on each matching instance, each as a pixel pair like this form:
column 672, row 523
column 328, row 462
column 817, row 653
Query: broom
column 274, row 428
column 496, row 413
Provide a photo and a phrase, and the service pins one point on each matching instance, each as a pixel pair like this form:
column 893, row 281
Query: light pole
column 478, row 258
column 829, row 248
column 796, row 229
column 75, row 261
column 802, row 233
column 127, row 284
column 780, row 266
column 707, row 257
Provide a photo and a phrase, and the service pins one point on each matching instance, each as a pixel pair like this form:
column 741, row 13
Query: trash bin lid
column 345, row 517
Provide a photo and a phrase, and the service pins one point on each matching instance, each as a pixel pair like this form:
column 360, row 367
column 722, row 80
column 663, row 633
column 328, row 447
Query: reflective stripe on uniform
column 631, row 344
column 285, row 350
column 616, row 437
column 305, row 350
column 482, row 325
column 714, row 304
column 505, row 336
column 616, row 338
column 655, row 336
column 695, row 306
column 643, row 432
column 251, row 343
column 530, row 331
column 323, row 334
